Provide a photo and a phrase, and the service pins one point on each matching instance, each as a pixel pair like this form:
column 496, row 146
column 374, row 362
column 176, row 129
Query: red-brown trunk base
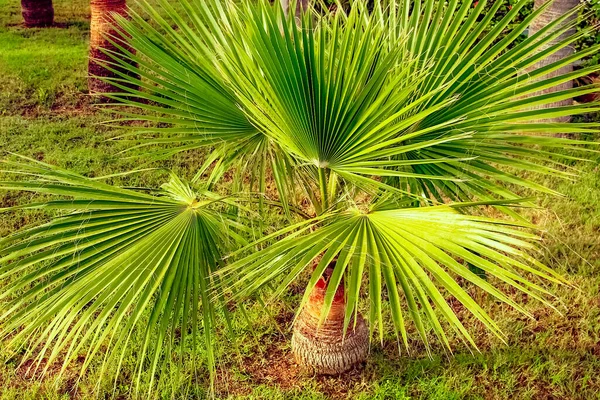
column 324, row 349
column 37, row 13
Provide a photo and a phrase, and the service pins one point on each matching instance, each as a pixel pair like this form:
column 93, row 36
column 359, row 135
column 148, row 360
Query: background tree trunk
column 300, row 5
column 557, row 9
column 37, row 12
column 102, row 27
column 324, row 348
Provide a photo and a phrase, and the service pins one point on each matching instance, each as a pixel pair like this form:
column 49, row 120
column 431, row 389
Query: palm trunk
column 557, row 9
column 592, row 79
column 324, row 348
column 37, row 13
column 101, row 29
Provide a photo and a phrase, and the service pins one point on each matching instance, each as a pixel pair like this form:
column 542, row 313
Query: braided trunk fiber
column 37, row 13
column 324, row 348
column 101, row 29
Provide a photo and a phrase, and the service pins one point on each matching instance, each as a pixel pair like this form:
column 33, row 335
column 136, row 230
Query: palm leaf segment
column 118, row 262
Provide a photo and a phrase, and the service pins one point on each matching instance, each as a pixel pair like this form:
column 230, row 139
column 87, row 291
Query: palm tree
column 557, row 9
column 386, row 133
column 104, row 44
column 37, row 13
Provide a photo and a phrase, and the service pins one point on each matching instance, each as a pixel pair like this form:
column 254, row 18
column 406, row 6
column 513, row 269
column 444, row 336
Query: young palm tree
column 37, row 13
column 384, row 130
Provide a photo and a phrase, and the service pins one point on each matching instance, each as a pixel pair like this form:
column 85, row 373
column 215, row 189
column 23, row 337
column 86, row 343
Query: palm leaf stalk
column 389, row 126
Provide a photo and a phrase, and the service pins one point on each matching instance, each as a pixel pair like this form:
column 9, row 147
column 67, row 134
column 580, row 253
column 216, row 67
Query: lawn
column 46, row 114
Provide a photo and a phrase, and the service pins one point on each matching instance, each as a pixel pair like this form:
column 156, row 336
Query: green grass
column 45, row 113
column 43, row 68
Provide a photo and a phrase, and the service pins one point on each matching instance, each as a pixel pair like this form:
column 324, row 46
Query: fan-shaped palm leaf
column 117, row 261
column 490, row 75
column 402, row 250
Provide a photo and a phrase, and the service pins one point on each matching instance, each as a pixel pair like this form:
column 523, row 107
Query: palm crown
column 394, row 121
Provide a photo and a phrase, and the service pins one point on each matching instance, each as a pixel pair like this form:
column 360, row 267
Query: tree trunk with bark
column 324, row 348
column 591, row 79
column 37, row 13
column 102, row 28
column 557, row 9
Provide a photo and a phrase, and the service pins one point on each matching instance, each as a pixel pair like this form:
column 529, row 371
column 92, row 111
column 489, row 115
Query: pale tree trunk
column 300, row 5
column 557, row 9
column 37, row 13
column 101, row 29
column 324, row 349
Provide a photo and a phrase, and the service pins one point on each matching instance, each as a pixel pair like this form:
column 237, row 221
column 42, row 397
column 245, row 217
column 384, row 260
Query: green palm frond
column 115, row 261
column 411, row 255
column 496, row 89
column 419, row 98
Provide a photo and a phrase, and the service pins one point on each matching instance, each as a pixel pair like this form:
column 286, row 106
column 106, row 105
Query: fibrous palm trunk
column 102, row 32
column 37, row 13
column 557, row 9
column 324, row 348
